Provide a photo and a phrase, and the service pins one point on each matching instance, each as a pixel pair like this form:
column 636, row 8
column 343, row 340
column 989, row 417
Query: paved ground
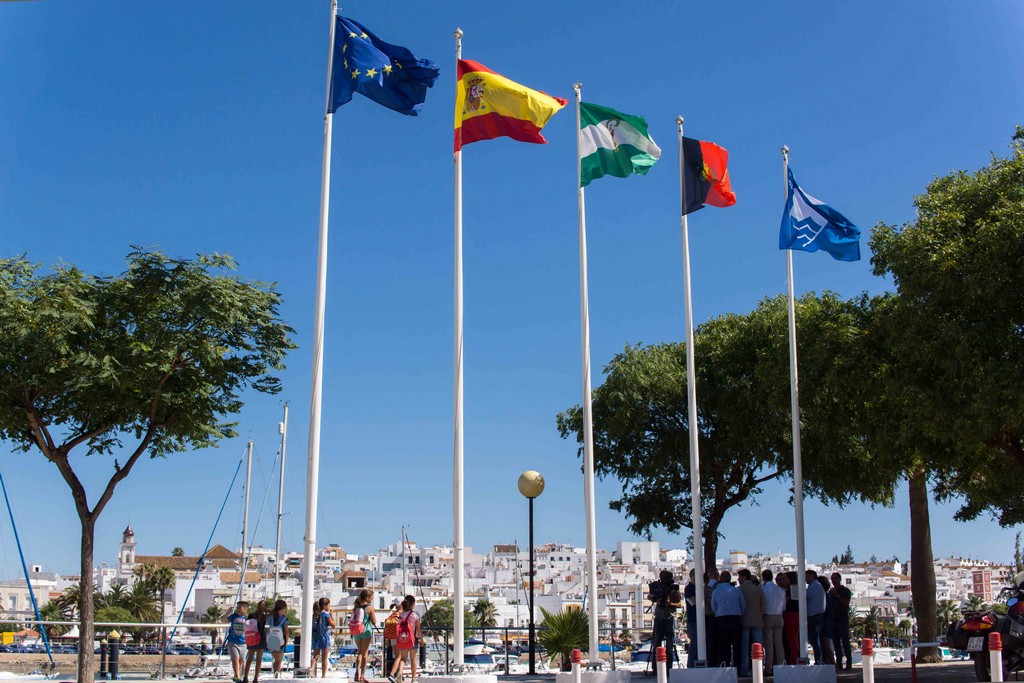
column 946, row 672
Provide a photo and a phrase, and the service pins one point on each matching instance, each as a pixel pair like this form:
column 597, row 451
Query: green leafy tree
column 563, row 632
column 641, row 419
column 950, row 359
column 957, row 271
column 441, row 614
column 148, row 362
column 847, row 557
column 178, row 551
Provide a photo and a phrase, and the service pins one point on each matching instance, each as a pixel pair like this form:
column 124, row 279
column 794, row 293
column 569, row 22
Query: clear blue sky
column 198, row 127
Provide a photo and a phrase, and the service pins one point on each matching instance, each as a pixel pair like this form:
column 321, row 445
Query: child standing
column 236, row 638
column 256, row 650
column 277, row 634
column 323, row 623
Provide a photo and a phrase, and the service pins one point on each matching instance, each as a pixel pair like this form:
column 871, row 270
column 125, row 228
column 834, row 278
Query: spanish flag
column 488, row 105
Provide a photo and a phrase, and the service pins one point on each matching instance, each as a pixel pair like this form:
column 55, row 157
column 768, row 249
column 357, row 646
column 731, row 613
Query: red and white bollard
column 867, row 657
column 995, row 653
column 576, row 657
column 661, row 657
column 757, row 662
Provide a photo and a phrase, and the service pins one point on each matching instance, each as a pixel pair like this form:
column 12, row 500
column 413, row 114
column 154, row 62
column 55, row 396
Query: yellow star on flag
column 344, row 63
column 364, row 36
column 344, row 47
column 351, row 35
column 371, row 72
column 387, row 69
column 355, row 73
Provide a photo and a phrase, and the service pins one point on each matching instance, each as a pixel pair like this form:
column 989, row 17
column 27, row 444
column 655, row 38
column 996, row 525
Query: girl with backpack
column 360, row 627
column 323, row 622
column 277, row 634
column 255, row 640
column 410, row 634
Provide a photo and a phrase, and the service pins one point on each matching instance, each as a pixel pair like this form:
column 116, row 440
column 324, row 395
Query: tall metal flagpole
column 457, row 485
column 316, row 395
column 798, row 469
column 588, row 412
column 245, row 520
column 691, row 396
column 280, row 503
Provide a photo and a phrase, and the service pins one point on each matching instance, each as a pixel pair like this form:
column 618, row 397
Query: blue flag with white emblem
column 388, row 74
column 810, row 224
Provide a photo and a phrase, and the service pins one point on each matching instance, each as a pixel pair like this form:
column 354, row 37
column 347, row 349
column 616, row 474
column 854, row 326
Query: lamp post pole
column 531, row 485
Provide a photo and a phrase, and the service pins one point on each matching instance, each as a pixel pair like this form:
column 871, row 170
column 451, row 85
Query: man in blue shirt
column 815, row 612
column 728, row 604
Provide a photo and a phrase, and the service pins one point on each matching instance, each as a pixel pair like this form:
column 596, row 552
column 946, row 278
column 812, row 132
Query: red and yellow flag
column 488, row 105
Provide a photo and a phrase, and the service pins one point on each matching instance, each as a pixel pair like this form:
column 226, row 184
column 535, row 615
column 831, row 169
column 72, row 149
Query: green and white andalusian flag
column 612, row 143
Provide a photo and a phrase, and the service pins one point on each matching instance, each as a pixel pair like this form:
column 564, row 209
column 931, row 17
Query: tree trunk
column 922, row 577
column 710, row 534
column 87, row 609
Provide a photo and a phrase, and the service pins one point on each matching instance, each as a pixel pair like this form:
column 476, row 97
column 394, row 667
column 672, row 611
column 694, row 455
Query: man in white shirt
column 774, row 606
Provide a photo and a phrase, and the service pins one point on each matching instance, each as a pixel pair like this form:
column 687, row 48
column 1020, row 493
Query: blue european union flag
column 809, row 224
column 388, row 74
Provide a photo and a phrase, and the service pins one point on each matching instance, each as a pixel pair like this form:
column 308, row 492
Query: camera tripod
column 674, row 656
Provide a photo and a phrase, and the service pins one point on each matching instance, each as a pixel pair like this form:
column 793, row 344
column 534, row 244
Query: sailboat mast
column 245, row 520
column 283, row 429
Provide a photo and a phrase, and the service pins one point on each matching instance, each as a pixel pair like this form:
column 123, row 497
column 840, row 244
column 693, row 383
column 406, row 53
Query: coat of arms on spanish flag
column 488, row 105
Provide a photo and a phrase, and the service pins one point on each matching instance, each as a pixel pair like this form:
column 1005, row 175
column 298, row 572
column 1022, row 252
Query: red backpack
column 355, row 622
column 405, row 640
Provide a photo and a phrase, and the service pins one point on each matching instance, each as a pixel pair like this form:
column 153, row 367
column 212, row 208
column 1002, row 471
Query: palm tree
column 564, row 632
column 486, row 613
column 871, row 622
column 71, row 600
column 52, row 611
column 141, row 603
column 973, row 604
column 213, row 615
column 178, row 552
column 904, row 627
column 160, row 581
column 946, row 612
column 142, row 571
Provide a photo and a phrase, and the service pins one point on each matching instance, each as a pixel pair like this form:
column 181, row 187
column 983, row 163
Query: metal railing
column 435, row 651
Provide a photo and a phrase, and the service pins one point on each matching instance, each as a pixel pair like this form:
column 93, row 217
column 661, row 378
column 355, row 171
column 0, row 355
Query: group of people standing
column 757, row 609
column 248, row 637
column 766, row 610
column 402, row 635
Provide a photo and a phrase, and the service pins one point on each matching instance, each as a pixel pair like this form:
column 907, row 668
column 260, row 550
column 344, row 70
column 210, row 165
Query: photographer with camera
column 665, row 599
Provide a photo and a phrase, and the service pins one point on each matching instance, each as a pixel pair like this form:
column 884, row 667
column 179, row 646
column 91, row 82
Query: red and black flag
column 705, row 177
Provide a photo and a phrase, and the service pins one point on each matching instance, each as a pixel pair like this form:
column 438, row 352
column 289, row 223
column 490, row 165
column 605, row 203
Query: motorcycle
column 971, row 634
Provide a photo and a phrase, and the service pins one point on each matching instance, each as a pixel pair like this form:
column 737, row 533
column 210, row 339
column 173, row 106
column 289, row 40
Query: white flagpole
column 313, row 453
column 798, row 470
column 588, row 411
column 691, row 396
column 457, row 485
column 245, row 520
column 280, row 503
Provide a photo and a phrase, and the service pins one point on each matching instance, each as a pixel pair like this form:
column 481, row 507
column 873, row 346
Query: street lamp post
column 531, row 485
